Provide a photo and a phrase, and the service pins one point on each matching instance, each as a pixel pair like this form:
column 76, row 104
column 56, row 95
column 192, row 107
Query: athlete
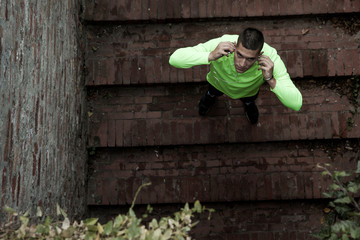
column 239, row 65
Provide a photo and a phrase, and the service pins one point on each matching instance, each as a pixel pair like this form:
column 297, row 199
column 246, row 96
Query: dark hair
column 252, row 39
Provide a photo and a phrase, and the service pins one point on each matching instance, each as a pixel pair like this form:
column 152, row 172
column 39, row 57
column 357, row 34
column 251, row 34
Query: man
column 239, row 65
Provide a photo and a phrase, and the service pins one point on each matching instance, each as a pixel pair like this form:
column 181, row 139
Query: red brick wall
column 168, row 115
column 144, row 125
column 124, row 10
column 280, row 220
column 216, row 173
column 139, row 53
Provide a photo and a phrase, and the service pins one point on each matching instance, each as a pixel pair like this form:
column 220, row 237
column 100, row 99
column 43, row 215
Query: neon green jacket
column 223, row 75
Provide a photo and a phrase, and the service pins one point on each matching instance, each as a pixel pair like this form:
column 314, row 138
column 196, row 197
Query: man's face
column 244, row 58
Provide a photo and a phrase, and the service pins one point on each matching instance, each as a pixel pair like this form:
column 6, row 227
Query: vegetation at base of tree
column 341, row 220
column 123, row 227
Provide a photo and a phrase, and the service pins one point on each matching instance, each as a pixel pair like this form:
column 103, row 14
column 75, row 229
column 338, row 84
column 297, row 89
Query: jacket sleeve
column 285, row 89
column 193, row 56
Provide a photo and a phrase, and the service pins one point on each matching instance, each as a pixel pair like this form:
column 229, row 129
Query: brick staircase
column 144, row 125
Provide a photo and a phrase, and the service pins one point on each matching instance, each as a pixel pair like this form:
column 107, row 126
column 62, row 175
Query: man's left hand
column 266, row 66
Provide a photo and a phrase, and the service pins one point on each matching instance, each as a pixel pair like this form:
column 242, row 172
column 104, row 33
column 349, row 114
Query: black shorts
column 213, row 91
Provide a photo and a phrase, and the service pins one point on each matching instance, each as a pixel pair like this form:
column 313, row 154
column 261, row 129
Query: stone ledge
column 216, row 173
column 137, row 10
column 168, row 115
column 136, row 54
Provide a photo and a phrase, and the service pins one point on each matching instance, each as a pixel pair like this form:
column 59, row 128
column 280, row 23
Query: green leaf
column 333, row 237
column 327, row 195
column 65, row 224
column 339, row 226
column 345, row 200
column 339, row 194
column 39, row 212
column 358, row 167
column 90, row 221
column 132, row 213
column 100, row 228
column 10, row 210
column 177, row 216
column 42, row 229
column 154, row 223
column 149, row 208
column 90, row 236
column 60, row 211
column 67, row 233
column 134, row 230
column 334, row 186
column 344, row 237
column 197, row 207
column 186, row 208
column 118, row 221
column 342, row 210
column 108, row 228
column 24, row 220
column 92, row 228
column 341, row 174
column 346, row 225
column 157, row 234
column 179, row 237
column 355, row 233
column 357, row 214
column 27, row 213
column 195, row 223
column 353, row 187
column 47, row 221
column 167, row 235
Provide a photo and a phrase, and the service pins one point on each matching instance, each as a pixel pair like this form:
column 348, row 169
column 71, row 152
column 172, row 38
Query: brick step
column 262, row 220
column 216, row 173
column 138, row 53
column 137, row 10
column 168, row 115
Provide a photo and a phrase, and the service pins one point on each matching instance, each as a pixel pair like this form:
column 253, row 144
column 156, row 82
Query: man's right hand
column 223, row 49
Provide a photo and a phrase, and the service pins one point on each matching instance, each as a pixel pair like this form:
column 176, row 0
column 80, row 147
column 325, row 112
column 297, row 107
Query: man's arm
column 202, row 53
column 274, row 70
column 284, row 88
column 192, row 56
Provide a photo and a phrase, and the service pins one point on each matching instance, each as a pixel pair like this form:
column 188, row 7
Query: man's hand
column 223, row 49
column 267, row 68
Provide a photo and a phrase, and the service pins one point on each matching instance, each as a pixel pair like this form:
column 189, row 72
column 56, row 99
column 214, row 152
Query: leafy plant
column 123, row 227
column 341, row 218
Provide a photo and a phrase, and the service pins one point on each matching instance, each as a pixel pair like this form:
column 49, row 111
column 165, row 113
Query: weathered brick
column 130, row 10
column 317, row 60
column 268, row 187
column 307, row 125
column 236, row 8
column 250, row 9
column 258, row 164
column 152, row 9
column 260, row 10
